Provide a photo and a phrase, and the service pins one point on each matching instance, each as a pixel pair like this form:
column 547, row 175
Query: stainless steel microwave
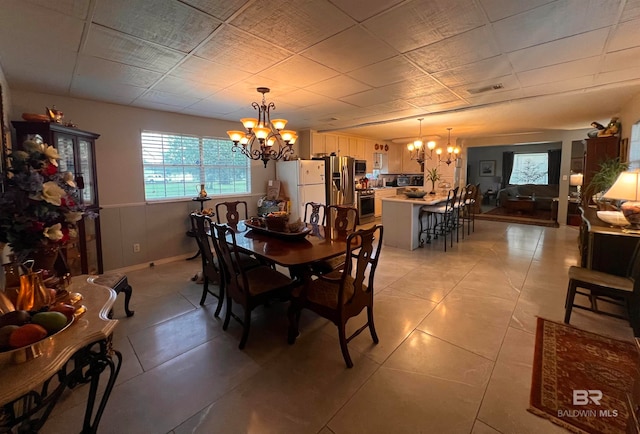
column 361, row 167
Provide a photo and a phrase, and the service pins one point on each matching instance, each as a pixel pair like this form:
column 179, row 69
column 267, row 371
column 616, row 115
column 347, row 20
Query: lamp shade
column 626, row 187
column 576, row 179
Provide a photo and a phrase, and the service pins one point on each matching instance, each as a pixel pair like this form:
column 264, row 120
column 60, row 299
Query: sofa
column 544, row 195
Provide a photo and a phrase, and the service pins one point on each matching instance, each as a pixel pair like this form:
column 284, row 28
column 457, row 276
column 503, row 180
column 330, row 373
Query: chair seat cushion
column 599, row 278
column 329, row 265
column 325, row 292
column 264, row 279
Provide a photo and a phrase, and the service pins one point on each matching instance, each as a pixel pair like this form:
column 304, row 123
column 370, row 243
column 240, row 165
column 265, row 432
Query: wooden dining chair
column 200, row 226
column 343, row 294
column 343, row 221
column 622, row 291
column 232, row 212
column 247, row 287
column 315, row 213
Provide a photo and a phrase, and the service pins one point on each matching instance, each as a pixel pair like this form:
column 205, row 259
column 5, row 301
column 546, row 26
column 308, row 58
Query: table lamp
column 627, row 187
column 575, row 180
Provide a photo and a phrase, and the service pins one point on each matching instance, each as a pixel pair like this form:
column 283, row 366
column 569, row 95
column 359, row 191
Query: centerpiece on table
column 433, row 175
column 39, row 207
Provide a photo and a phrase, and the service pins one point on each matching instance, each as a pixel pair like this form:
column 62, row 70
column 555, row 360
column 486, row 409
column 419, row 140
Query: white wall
column 126, row 219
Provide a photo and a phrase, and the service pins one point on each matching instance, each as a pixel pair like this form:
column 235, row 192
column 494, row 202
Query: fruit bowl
column 415, row 194
column 30, row 352
column 615, row 218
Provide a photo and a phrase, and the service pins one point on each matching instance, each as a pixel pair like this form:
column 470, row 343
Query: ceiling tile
column 165, row 22
column 299, row 98
column 390, row 107
column 559, row 72
column 440, row 97
column 240, row 50
column 338, row 86
column 204, row 71
column 101, row 69
column 220, row 9
column 387, row 72
column 564, row 50
column 417, row 23
column 508, row 82
column 349, row 50
column 111, row 45
column 623, row 75
column 97, row 89
column 360, row 10
column 559, row 86
column 499, row 9
column 166, row 98
column 179, row 86
column 455, row 51
column 218, row 105
column 631, row 10
column 73, row 8
column 622, row 59
column 25, row 72
column 299, row 71
column 553, row 21
column 475, row 72
column 292, row 24
column 626, row 35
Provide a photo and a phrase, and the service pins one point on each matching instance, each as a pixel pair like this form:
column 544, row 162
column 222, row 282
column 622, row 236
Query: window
column 175, row 166
column 530, row 169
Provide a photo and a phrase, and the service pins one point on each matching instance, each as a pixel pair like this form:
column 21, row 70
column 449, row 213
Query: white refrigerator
column 303, row 181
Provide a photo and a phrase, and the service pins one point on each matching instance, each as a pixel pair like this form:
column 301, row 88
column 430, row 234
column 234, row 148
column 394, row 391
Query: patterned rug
column 499, row 214
column 580, row 379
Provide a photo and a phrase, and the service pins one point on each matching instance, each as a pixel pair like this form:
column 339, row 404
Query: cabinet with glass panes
column 77, row 155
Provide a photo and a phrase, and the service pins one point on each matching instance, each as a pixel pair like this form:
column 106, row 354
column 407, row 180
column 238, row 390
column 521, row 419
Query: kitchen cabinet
column 379, row 194
column 343, row 146
column 394, row 159
column 77, row 155
column 318, row 144
column 597, row 150
column 331, row 144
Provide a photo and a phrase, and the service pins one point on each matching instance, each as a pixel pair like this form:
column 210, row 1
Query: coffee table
column 520, row 206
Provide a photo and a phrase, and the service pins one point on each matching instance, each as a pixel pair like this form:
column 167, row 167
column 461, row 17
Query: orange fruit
column 26, row 335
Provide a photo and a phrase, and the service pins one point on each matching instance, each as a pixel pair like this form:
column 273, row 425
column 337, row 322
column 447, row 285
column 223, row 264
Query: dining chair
column 315, row 213
column 232, row 211
column 247, row 287
column 343, row 294
column 621, row 291
column 343, row 221
column 442, row 218
column 211, row 274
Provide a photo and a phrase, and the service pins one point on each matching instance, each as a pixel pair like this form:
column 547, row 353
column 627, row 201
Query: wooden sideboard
column 604, row 247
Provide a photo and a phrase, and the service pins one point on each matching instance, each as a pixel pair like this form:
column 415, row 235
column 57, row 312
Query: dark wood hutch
column 77, row 155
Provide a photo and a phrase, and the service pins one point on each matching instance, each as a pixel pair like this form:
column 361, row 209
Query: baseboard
column 150, row 264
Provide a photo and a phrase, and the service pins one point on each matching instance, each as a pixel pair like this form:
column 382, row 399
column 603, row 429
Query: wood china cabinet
column 77, row 155
column 597, row 150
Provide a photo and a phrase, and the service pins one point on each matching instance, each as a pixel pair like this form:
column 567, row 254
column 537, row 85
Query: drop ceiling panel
column 338, row 86
column 563, row 71
column 118, row 47
column 219, row 9
column 360, row 10
column 299, row 71
column 187, row 88
column 25, row 72
column 495, row 97
column 165, row 22
column 166, row 98
column 554, row 21
column 292, row 24
column 475, row 72
column 101, row 69
column 418, row 23
column 631, row 10
column 559, row 87
column 239, row 50
column 622, row 59
column 387, row 72
column 569, row 49
column 352, row 49
column 508, row 82
column 456, row 51
column 499, row 9
column 204, row 71
column 218, row 105
column 96, row 89
column 440, row 97
column 73, row 8
column 626, row 35
column 624, row 75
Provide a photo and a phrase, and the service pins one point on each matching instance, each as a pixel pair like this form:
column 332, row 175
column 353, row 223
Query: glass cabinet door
column 85, row 156
column 64, row 144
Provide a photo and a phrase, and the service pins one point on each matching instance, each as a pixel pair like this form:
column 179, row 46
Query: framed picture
column 576, row 164
column 487, row 167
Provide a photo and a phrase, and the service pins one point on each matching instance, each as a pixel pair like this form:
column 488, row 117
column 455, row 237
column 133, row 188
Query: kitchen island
column 400, row 219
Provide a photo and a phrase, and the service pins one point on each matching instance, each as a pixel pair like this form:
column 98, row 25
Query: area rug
column 499, row 214
column 580, row 379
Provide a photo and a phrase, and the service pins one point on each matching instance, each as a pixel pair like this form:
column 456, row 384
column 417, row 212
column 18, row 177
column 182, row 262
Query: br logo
column 583, row 397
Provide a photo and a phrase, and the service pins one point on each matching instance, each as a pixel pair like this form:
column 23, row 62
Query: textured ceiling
column 368, row 67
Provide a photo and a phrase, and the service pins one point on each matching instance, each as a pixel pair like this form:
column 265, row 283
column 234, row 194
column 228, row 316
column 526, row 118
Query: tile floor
column 455, row 354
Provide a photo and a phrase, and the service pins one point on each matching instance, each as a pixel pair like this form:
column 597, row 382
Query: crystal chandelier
column 417, row 150
column 262, row 134
column 452, row 151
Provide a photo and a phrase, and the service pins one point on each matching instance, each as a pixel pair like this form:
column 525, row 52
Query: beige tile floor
column 455, row 354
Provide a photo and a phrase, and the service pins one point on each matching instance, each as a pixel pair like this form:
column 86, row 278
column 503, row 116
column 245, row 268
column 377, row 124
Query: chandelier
column 452, row 151
column 263, row 134
column 417, row 150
